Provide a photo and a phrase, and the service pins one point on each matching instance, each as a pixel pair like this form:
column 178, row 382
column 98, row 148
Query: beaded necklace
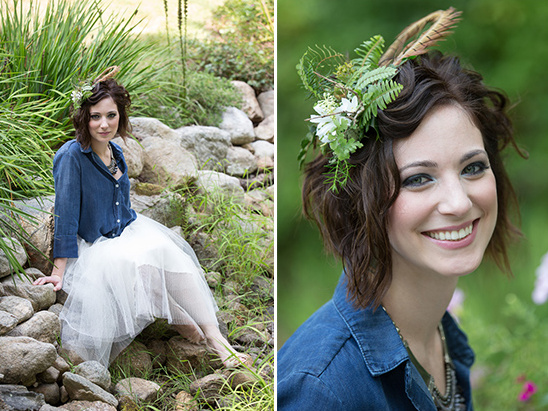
column 453, row 400
column 113, row 166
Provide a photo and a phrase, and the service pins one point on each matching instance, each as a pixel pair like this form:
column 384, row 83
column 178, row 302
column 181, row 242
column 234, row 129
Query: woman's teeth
column 451, row 235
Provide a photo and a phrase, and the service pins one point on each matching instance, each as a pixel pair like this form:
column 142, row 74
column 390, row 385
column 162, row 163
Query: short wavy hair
column 353, row 221
column 102, row 90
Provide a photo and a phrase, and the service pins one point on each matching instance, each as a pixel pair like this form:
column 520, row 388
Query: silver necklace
column 453, row 400
column 112, row 167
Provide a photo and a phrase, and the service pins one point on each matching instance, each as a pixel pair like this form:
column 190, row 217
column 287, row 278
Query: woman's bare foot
column 220, row 346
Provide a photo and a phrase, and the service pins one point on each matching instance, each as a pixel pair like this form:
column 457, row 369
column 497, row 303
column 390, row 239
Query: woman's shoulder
column 69, row 152
column 326, row 335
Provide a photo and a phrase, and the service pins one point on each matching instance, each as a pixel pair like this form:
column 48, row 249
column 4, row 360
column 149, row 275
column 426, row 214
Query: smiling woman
column 409, row 192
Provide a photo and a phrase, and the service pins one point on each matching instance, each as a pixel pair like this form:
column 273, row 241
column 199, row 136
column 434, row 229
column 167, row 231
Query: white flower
column 331, row 119
column 540, row 293
column 76, row 96
column 349, row 106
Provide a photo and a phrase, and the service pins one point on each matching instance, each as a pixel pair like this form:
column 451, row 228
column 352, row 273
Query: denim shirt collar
column 379, row 341
column 116, row 151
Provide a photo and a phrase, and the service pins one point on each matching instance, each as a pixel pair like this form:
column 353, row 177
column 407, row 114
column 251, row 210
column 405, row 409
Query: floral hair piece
column 84, row 90
column 349, row 93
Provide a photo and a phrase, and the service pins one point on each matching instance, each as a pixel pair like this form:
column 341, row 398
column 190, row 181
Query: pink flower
column 529, row 388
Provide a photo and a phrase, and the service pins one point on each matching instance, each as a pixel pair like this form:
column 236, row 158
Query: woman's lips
column 454, row 237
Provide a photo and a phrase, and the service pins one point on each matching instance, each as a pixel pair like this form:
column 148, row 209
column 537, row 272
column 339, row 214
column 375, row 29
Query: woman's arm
column 56, row 277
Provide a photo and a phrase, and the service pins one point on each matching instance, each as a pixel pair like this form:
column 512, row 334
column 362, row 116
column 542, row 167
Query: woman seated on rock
column 121, row 270
column 410, row 192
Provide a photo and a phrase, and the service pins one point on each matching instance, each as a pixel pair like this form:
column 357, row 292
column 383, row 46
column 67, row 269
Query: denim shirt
column 89, row 201
column 342, row 358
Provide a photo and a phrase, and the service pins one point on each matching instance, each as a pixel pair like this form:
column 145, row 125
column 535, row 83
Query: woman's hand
column 53, row 279
column 56, row 277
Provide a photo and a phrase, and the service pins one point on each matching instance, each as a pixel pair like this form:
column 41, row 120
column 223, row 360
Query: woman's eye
column 416, row 181
column 112, row 115
column 94, row 117
column 475, row 169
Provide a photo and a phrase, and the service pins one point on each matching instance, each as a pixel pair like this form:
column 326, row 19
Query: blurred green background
column 507, row 42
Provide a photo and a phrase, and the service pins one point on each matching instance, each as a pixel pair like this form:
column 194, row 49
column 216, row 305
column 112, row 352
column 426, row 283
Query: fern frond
column 370, row 52
column 316, row 68
column 442, row 21
column 379, row 95
column 367, row 77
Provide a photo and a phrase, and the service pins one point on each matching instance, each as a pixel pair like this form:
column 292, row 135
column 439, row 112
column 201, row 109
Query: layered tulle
column 118, row 286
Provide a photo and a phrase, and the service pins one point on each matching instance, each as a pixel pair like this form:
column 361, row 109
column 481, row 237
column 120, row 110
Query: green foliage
column 508, row 353
column 317, row 66
column 26, row 134
column 198, row 98
column 350, row 94
column 243, row 44
column 243, row 240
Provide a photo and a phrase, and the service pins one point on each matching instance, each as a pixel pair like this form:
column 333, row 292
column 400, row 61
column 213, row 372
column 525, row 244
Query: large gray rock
column 133, row 153
column 39, row 230
column 79, row 388
column 184, row 356
column 43, row 326
column 240, row 127
column 213, row 182
column 167, row 163
column 263, row 149
column 209, row 145
column 18, row 398
column 50, row 391
column 19, row 307
column 250, row 105
column 95, row 372
column 87, row 406
column 18, row 252
column 208, row 388
column 138, row 389
column 240, row 162
column 266, row 101
column 21, row 358
column 265, row 129
column 7, row 322
column 167, row 209
column 145, row 127
column 40, row 296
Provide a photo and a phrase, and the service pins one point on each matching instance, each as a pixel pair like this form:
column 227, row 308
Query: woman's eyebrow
column 421, row 163
column 472, row 154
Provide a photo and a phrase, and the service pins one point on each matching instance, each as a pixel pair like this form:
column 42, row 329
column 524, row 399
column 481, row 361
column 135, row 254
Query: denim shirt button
column 117, row 185
column 118, row 221
column 117, row 203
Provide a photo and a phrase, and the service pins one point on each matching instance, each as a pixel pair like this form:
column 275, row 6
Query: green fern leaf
column 367, row 77
column 370, row 52
column 317, row 67
column 379, row 95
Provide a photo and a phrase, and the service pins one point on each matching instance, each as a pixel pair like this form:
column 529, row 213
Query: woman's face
column 103, row 120
column 446, row 210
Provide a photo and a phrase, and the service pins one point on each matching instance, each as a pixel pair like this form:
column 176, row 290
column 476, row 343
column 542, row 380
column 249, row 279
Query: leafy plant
column 243, row 44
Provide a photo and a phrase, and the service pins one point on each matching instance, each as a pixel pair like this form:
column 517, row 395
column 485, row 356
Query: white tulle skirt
column 118, row 286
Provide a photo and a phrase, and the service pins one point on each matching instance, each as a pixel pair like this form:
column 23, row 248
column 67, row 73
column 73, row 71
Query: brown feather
column 442, row 21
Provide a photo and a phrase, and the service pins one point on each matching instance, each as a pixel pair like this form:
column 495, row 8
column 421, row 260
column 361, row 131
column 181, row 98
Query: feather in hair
column 442, row 21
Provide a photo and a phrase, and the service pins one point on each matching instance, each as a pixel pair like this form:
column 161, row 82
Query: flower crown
column 351, row 92
column 84, row 89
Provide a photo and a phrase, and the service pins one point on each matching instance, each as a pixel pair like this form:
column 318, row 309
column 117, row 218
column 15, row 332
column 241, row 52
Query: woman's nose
column 454, row 199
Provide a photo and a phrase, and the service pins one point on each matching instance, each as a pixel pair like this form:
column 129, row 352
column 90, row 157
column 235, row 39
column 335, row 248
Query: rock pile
column 37, row 374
